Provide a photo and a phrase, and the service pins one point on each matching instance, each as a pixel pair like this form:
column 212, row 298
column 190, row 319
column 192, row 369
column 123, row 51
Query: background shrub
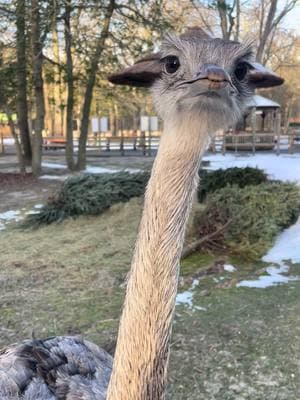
column 89, row 194
column 252, row 217
column 210, row 181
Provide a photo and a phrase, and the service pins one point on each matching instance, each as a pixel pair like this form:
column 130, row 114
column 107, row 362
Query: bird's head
column 197, row 74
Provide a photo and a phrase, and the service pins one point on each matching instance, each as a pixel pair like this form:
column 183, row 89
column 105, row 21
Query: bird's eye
column 171, row 64
column 241, row 70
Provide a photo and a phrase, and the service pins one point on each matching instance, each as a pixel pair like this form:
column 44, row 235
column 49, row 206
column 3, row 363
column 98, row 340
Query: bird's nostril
column 214, row 73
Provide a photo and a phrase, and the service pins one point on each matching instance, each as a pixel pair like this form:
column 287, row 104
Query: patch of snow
column 273, row 278
column 9, row 216
column 199, row 308
column 186, row 298
column 12, row 215
column 229, row 268
column 54, row 177
column 285, row 167
column 17, row 215
column 90, row 169
column 102, row 170
column 31, row 212
column 53, row 165
column 286, row 247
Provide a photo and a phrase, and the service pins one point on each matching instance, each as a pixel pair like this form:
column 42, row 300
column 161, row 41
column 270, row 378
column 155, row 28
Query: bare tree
column 22, row 106
column 81, row 161
column 70, row 86
column 225, row 11
column 37, row 78
column 270, row 18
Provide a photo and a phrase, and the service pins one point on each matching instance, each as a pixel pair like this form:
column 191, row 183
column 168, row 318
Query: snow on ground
column 53, row 165
column 229, row 268
column 273, row 278
column 101, row 170
column 17, row 215
column 55, row 177
column 285, row 167
column 286, row 248
column 186, row 298
column 89, row 169
column 12, row 215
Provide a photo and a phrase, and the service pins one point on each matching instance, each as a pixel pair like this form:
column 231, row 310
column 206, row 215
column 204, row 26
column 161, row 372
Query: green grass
column 246, row 345
column 68, row 278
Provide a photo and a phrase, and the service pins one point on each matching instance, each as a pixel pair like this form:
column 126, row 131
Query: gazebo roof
column 261, row 102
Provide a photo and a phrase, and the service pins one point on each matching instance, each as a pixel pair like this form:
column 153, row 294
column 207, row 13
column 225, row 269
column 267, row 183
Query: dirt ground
column 229, row 344
column 17, row 191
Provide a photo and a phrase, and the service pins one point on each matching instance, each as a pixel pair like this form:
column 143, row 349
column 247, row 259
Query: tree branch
column 192, row 247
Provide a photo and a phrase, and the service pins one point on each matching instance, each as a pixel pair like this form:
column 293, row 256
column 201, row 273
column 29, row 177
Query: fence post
column 143, row 142
column 253, row 124
column 291, row 137
column 149, row 143
column 2, row 144
column 122, row 144
column 277, row 129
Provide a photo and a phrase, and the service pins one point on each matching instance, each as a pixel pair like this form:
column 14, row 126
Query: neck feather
column 142, row 352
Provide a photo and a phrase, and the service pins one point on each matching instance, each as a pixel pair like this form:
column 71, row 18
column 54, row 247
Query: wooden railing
column 108, row 144
column 242, row 141
column 247, row 141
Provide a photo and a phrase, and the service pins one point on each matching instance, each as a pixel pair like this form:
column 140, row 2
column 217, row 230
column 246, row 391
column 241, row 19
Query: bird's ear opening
column 262, row 77
column 142, row 74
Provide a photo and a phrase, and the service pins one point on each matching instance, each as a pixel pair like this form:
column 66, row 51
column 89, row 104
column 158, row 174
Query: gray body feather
column 58, row 368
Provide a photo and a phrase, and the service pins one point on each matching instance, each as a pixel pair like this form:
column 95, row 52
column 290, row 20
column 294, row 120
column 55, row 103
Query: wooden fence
column 141, row 144
column 248, row 141
column 147, row 145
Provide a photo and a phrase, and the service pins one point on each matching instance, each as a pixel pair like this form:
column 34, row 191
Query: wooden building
column 259, row 129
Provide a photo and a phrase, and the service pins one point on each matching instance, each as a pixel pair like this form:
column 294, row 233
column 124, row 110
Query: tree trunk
column 38, row 87
column 265, row 33
column 81, row 162
column 70, row 86
column 22, row 106
column 21, row 158
column 58, row 90
column 222, row 8
column 238, row 18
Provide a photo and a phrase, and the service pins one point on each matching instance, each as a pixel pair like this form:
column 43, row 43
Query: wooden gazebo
column 259, row 129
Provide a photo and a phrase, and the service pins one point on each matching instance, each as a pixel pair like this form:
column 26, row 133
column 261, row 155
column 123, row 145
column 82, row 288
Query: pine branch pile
column 89, row 194
column 210, row 181
column 253, row 216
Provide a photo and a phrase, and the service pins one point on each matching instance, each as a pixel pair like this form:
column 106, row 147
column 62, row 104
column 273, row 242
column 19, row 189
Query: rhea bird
column 199, row 84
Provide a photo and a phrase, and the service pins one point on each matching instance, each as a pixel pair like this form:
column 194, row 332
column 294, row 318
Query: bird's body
column 199, row 85
column 57, row 368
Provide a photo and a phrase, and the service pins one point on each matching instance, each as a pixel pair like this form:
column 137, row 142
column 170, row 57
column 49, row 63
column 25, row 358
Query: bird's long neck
column 142, row 352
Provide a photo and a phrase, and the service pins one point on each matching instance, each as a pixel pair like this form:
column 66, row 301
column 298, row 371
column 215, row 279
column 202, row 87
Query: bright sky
column 292, row 20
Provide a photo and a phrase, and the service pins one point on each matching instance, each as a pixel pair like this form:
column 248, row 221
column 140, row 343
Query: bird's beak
column 216, row 76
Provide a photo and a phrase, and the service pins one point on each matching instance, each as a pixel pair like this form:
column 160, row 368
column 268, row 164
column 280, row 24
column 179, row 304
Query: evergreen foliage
column 246, row 218
column 210, row 181
column 252, row 217
column 89, row 194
